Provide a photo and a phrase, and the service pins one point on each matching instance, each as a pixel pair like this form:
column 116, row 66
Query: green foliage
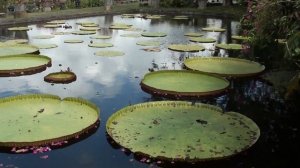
column 177, row 3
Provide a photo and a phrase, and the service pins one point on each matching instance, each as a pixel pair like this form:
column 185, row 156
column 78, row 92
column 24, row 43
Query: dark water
column 113, row 83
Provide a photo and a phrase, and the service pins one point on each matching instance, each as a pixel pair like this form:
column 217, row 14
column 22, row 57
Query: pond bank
column 218, row 11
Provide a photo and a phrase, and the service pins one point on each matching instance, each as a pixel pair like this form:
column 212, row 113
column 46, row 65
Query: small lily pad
column 73, row 41
column 181, row 17
column 89, row 28
column 43, row 36
column 230, row 46
column 213, row 29
column 61, row 33
column 16, row 41
column 243, row 38
column 186, row 47
column 90, row 25
column 57, row 22
column 109, row 53
column 120, row 26
column 83, row 32
column 202, row 40
column 191, row 34
column 149, row 43
column 153, row 17
column 19, row 28
column 85, row 23
column 101, row 45
column 60, row 77
column 154, row 34
column 100, row 37
column 52, row 26
column 15, row 49
column 45, row 46
column 133, row 35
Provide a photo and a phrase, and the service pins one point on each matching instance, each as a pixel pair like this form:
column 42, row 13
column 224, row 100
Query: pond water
column 113, row 83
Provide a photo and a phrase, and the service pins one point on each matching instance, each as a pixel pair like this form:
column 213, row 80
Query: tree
column 20, row 8
column 227, row 2
column 108, row 4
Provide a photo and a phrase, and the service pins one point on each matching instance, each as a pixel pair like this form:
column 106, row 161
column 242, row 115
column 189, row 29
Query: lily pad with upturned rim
column 120, row 26
column 43, row 36
column 15, row 49
column 154, row 34
column 83, row 32
column 191, row 34
column 183, row 84
column 228, row 67
column 52, row 26
column 85, row 22
column 90, row 25
column 180, row 17
column 26, row 64
column 19, row 28
column 182, row 131
column 39, row 119
column 89, row 28
column 73, row 41
column 213, row 29
column 133, row 35
column 16, row 41
column 186, row 47
column 202, row 40
column 60, row 77
column 109, row 53
column 243, row 38
column 149, row 43
column 100, row 37
column 153, row 17
column 101, row 45
column 229, row 46
column 45, row 46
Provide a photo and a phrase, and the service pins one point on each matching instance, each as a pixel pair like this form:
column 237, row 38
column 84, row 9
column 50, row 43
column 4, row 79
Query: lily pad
column 154, row 34
column 243, row 38
column 90, row 25
column 133, row 29
column 38, row 119
column 120, row 26
column 26, row 64
column 43, row 36
column 57, row 22
column 52, row 26
column 127, row 15
column 191, row 34
column 233, row 67
column 101, row 45
column 109, row 53
column 202, row 40
column 45, row 46
column 15, row 49
column 181, row 17
column 19, row 28
column 83, row 32
column 153, row 17
column 73, row 41
column 152, row 49
column 133, row 35
column 85, row 23
column 100, row 37
column 213, row 29
column 229, row 46
column 182, row 131
column 61, row 33
column 89, row 28
column 149, row 43
column 16, row 41
column 60, row 77
column 183, row 84
column 186, row 47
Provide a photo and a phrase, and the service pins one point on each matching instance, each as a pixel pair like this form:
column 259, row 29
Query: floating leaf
column 60, row 77
column 181, row 17
column 57, row 22
column 154, row 34
column 85, row 23
column 43, row 36
column 127, row 15
column 90, row 25
column 19, row 28
column 244, row 38
column 191, row 34
column 16, row 41
column 230, row 46
column 52, row 26
column 45, row 46
column 101, row 45
column 109, row 53
column 149, row 43
column 73, row 41
column 89, row 28
column 213, row 29
column 133, row 35
column 83, row 32
column 153, row 17
column 15, row 49
column 186, row 47
column 120, row 26
column 100, row 37
column 202, row 40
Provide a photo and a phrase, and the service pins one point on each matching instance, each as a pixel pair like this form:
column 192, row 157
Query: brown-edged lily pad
column 186, row 47
column 154, row 34
column 230, row 46
column 73, row 41
column 213, row 29
column 202, row 40
column 61, row 77
column 192, row 34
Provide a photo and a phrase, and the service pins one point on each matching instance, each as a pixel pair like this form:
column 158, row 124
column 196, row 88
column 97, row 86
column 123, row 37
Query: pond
column 114, row 82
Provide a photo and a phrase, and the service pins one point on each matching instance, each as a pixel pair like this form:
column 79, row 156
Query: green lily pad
column 61, row 33
column 57, row 22
column 43, row 36
column 19, row 28
column 191, row 34
column 26, row 64
column 101, row 45
column 133, row 29
column 52, row 26
column 90, row 25
column 233, row 67
column 38, row 119
column 60, row 77
column 154, row 34
column 127, row 15
column 213, row 29
column 181, row 17
column 149, row 43
column 73, row 41
column 186, row 47
column 16, row 41
column 152, row 49
column 45, row 46
column 153, row 17
column 183, row 84
column 89, row 28
column 229, row 46
column 85, row 23
column 15, row 49
column 120, row 26
column 83, row 32
column 100, row 37
column 243, row 38
column 182, row 131
column 202, row 40
column 109, row 53
column 133, row 35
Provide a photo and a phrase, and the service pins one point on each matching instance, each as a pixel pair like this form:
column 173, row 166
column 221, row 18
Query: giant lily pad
column 100, row 37
column 153, row 17
column 101, row 45
column 120, row 26
column 225, row 66
column 61, row 77
column 181, row 17
column 182, row 131
column 154, row 34
column 45, row 46
column 19, row 28
column 17, row 65
column 61, row 33
column 149, row 43
column 202, row 40
column 183, row 84
column 230, row 46
column 85, row 23
column 15, row 49
column 186, row 47
column 16, row 41
column 133, row 35
column 191, row 34
column 32, row 120
column 90, row 25
column 52, row 26
column 73, row 41
column 127, row 15
column 89, row 28
column 243, row 38
column 83, row 32
column 213, row 29
column 109, row 53
column 43, row 36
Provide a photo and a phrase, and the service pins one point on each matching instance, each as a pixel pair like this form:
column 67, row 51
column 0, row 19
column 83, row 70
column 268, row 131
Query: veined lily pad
column 90, row 25
column 149, row 43
column 109, row 53
column 101, row 45
column 230, row 46
column 186, row 47
column 202, row 40
column 73, row 41
column 60, row 77
column 19, row 28
column 83, row 32
column 193, row 34
column 183, row 84
column 182, row 131
column 154, row 34
column 15, row 49
column 89, row 28
column 244, row 38
column 100, row 37
column 43, row 36
column 26, row 64
column 233, row 67
column 52, row 26
column 213, row 29
column 57, row 22
column 120, row 26
column 17, row 41
column 45, row 46
column 33, row 120
column 133, row 35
